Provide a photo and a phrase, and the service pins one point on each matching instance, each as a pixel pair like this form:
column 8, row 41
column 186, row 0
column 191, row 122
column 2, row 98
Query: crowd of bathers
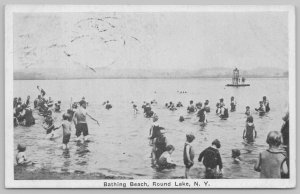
column 270, row 163
column 161, row 151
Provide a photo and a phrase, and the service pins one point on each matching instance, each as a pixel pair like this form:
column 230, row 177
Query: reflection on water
column 120, row 145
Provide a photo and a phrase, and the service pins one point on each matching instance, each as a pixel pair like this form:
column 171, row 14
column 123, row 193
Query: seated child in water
column 21, row 158
column 248, row 112
column 188, row 154
column 235, row 154
column 165, row 160
column 272, row 163
column 248, row 134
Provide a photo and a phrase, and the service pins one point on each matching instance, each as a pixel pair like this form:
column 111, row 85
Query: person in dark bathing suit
column 211, row 160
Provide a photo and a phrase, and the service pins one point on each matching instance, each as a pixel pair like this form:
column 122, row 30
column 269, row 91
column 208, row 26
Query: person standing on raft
column 79, row 120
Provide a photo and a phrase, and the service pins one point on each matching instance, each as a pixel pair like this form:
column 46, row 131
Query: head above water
column 155, row 118
column 170, row 148
column 82, row 103
column 66, row 116
column 249, row 119
column 286, row 117
column 21, row 147
column 190, row 137
column 235, row 153
column 217, row 143
column 274, row 138
column 264, row 98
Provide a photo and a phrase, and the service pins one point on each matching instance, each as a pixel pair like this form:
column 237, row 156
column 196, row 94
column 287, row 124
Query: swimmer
column 172, row 106
column 235, row 154
column 135, row 109
column 48, row 125
column 262, row 109
column 179, row 104
column 223, row 112
column 159, row 146
column 249, row 133
column 165, row 161
column 272, row 163
column 80, row 122
column 57, row 106
column 206, row 106
column 188, row 154
column 212, row 160
column 27, row 101
column 232, row 104
column 248, row 112
column 108, row 105
column 21, row 158
column 266, row 103
column 201, row 114
column 218, row 110
column 66, row 126
column 191, row 108
column 222, row 102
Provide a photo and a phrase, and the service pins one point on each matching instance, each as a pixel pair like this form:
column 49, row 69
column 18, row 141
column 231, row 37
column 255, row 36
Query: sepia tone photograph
column 150, row 96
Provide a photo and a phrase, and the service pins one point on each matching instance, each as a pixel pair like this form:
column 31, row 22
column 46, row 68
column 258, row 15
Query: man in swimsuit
column 79, row 119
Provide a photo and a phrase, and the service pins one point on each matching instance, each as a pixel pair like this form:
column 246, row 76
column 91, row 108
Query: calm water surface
column 120, row 145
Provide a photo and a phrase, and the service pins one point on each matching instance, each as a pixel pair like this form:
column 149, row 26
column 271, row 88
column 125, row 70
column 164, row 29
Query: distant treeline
column 61, row 74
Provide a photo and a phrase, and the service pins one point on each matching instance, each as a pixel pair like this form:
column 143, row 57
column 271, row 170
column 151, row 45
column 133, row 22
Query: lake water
column 120, row 145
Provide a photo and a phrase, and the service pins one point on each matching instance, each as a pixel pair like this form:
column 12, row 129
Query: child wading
column 66, row 126
column 272, row 163
column 232, row 104
column 248, row 112
column 212, row 160
column 249, row 133
column 188, row 154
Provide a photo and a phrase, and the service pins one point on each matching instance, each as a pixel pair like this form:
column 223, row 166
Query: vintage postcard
column 131, row 96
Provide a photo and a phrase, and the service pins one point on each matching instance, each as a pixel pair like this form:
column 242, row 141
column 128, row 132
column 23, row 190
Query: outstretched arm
column 93, row 119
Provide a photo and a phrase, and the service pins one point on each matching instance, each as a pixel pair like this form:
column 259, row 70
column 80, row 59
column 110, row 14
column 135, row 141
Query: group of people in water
column 272, row 163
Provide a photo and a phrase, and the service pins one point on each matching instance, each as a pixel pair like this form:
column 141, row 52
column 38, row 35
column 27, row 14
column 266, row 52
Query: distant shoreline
column 83, row 78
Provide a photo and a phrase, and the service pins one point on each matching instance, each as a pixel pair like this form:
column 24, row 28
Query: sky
column 155, row 40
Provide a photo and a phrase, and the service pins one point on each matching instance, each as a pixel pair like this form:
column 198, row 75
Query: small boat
column 236, row 80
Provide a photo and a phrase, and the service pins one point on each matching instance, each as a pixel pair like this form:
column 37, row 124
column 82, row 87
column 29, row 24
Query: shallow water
column 120, row 145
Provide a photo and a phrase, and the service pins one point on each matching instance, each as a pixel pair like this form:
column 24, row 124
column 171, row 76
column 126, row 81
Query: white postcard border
column 217, row 183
